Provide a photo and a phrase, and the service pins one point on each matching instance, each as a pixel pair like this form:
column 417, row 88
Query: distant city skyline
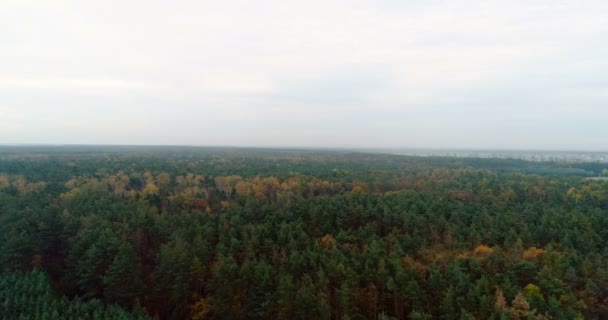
column 493, row 75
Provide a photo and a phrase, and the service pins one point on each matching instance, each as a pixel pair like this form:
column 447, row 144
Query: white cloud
column 73, row 85
column 398, row 70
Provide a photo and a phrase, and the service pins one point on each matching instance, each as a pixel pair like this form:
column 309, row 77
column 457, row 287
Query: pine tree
column 447, row 309
column 122, row 282
column 197, row 276
column 306, row 300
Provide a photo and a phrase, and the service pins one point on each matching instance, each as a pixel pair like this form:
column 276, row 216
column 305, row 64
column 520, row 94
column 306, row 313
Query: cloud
column 327, row 73
column 79, row 85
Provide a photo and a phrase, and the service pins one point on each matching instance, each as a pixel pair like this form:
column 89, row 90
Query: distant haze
column 421, row 74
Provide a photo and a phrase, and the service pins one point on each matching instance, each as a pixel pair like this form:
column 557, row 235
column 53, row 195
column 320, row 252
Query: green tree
column 122, row 281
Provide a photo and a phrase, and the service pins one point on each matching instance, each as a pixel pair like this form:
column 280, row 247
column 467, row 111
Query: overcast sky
column 313, row 73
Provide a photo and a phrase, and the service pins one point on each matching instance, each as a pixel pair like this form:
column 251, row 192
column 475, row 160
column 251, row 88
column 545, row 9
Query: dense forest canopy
column 227, row 233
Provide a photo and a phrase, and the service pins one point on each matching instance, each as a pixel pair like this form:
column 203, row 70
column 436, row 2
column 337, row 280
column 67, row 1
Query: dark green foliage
column 122, row 281
column 30, row 296
column 298, row 235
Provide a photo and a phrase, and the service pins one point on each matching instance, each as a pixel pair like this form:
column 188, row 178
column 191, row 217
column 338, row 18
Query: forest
column 121, row 232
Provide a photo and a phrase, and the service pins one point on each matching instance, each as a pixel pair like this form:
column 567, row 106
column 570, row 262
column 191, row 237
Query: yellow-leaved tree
column 200, row 309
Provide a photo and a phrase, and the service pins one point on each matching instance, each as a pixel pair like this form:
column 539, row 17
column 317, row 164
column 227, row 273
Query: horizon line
column 294, row 147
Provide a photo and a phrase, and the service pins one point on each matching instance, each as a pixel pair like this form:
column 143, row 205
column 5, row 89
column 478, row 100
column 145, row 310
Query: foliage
column 30, row 296
column 214, row 233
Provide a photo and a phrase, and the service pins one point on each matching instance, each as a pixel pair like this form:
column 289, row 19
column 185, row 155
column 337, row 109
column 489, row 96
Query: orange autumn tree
column 482, row 250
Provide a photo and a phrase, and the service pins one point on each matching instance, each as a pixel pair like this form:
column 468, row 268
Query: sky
column 315, row 73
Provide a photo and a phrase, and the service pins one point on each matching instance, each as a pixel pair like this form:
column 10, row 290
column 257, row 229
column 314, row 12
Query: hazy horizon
column 442, row 75
column 291, row 147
